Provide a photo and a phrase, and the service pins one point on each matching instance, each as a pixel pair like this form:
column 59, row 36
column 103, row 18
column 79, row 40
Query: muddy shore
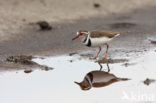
column 139, row 23
column 39, row 62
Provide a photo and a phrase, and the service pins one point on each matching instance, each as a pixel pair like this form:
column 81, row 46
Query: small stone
column 96, row 5
column 27, row 71
column 44, row 25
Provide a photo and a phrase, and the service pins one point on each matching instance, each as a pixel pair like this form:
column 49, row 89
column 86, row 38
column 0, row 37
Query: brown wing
column 102, row 33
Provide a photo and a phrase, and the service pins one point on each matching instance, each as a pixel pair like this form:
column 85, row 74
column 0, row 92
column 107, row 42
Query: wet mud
column 23, row 62
column 22, row 59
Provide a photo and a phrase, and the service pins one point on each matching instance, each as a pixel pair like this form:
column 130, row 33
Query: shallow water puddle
column 58, row 85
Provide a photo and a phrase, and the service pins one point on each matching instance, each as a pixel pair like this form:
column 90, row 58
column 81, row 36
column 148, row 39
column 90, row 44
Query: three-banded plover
column 96, row 38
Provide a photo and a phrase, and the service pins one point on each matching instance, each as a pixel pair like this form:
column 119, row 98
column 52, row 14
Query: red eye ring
column 81, row 34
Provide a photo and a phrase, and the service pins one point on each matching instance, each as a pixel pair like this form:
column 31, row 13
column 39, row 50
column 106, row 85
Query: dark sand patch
column 122, row 25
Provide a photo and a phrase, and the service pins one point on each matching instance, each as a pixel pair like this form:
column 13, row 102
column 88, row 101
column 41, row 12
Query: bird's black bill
column 73, row 39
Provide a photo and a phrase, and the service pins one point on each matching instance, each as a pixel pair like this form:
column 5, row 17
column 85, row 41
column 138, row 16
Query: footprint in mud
column 122, row 25
column 98, row 79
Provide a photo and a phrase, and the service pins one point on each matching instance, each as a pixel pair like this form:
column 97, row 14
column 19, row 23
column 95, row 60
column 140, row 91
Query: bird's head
column 84, row 85
column 81, row 33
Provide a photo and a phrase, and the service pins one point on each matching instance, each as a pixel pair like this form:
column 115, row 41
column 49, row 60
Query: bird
column 97, row 38
column 98, row 79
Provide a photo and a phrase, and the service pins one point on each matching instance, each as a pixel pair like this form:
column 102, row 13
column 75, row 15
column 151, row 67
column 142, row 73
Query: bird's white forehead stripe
column 85, row 32
column 77, row 33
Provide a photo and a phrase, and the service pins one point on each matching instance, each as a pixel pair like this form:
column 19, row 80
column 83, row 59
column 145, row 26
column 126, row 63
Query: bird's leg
column 106, row 53
column 100, row 66
column 97, row 53
column 108, row 67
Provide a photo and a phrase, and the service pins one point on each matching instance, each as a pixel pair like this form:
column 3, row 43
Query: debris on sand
column 112, row 61
column 27, row 71
column 148, row 81
column 73, row 53
column 27, row 61
column 96, row 5
column 122, row 25
column 44, row 25
column 22, row 59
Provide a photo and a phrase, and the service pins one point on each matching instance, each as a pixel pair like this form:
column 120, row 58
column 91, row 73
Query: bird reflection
column 98, row 78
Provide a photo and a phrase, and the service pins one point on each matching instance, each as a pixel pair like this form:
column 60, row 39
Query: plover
column 98, row 79
column 97, row 38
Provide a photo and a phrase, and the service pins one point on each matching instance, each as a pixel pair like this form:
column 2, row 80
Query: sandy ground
column 19, row 34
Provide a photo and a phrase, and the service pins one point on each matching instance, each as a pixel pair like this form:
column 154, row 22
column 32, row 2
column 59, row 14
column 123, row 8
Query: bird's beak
column 77, row 83
column 75, row 37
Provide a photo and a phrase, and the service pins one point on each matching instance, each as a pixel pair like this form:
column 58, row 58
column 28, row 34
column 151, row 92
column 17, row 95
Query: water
column 58, row 85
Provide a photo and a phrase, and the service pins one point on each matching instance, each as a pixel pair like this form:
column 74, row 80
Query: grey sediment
column 57, row 41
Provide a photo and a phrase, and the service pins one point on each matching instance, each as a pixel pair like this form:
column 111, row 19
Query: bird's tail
column 118, row 33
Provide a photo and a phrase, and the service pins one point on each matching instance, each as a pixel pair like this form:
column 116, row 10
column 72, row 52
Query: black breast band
column 89, row 43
